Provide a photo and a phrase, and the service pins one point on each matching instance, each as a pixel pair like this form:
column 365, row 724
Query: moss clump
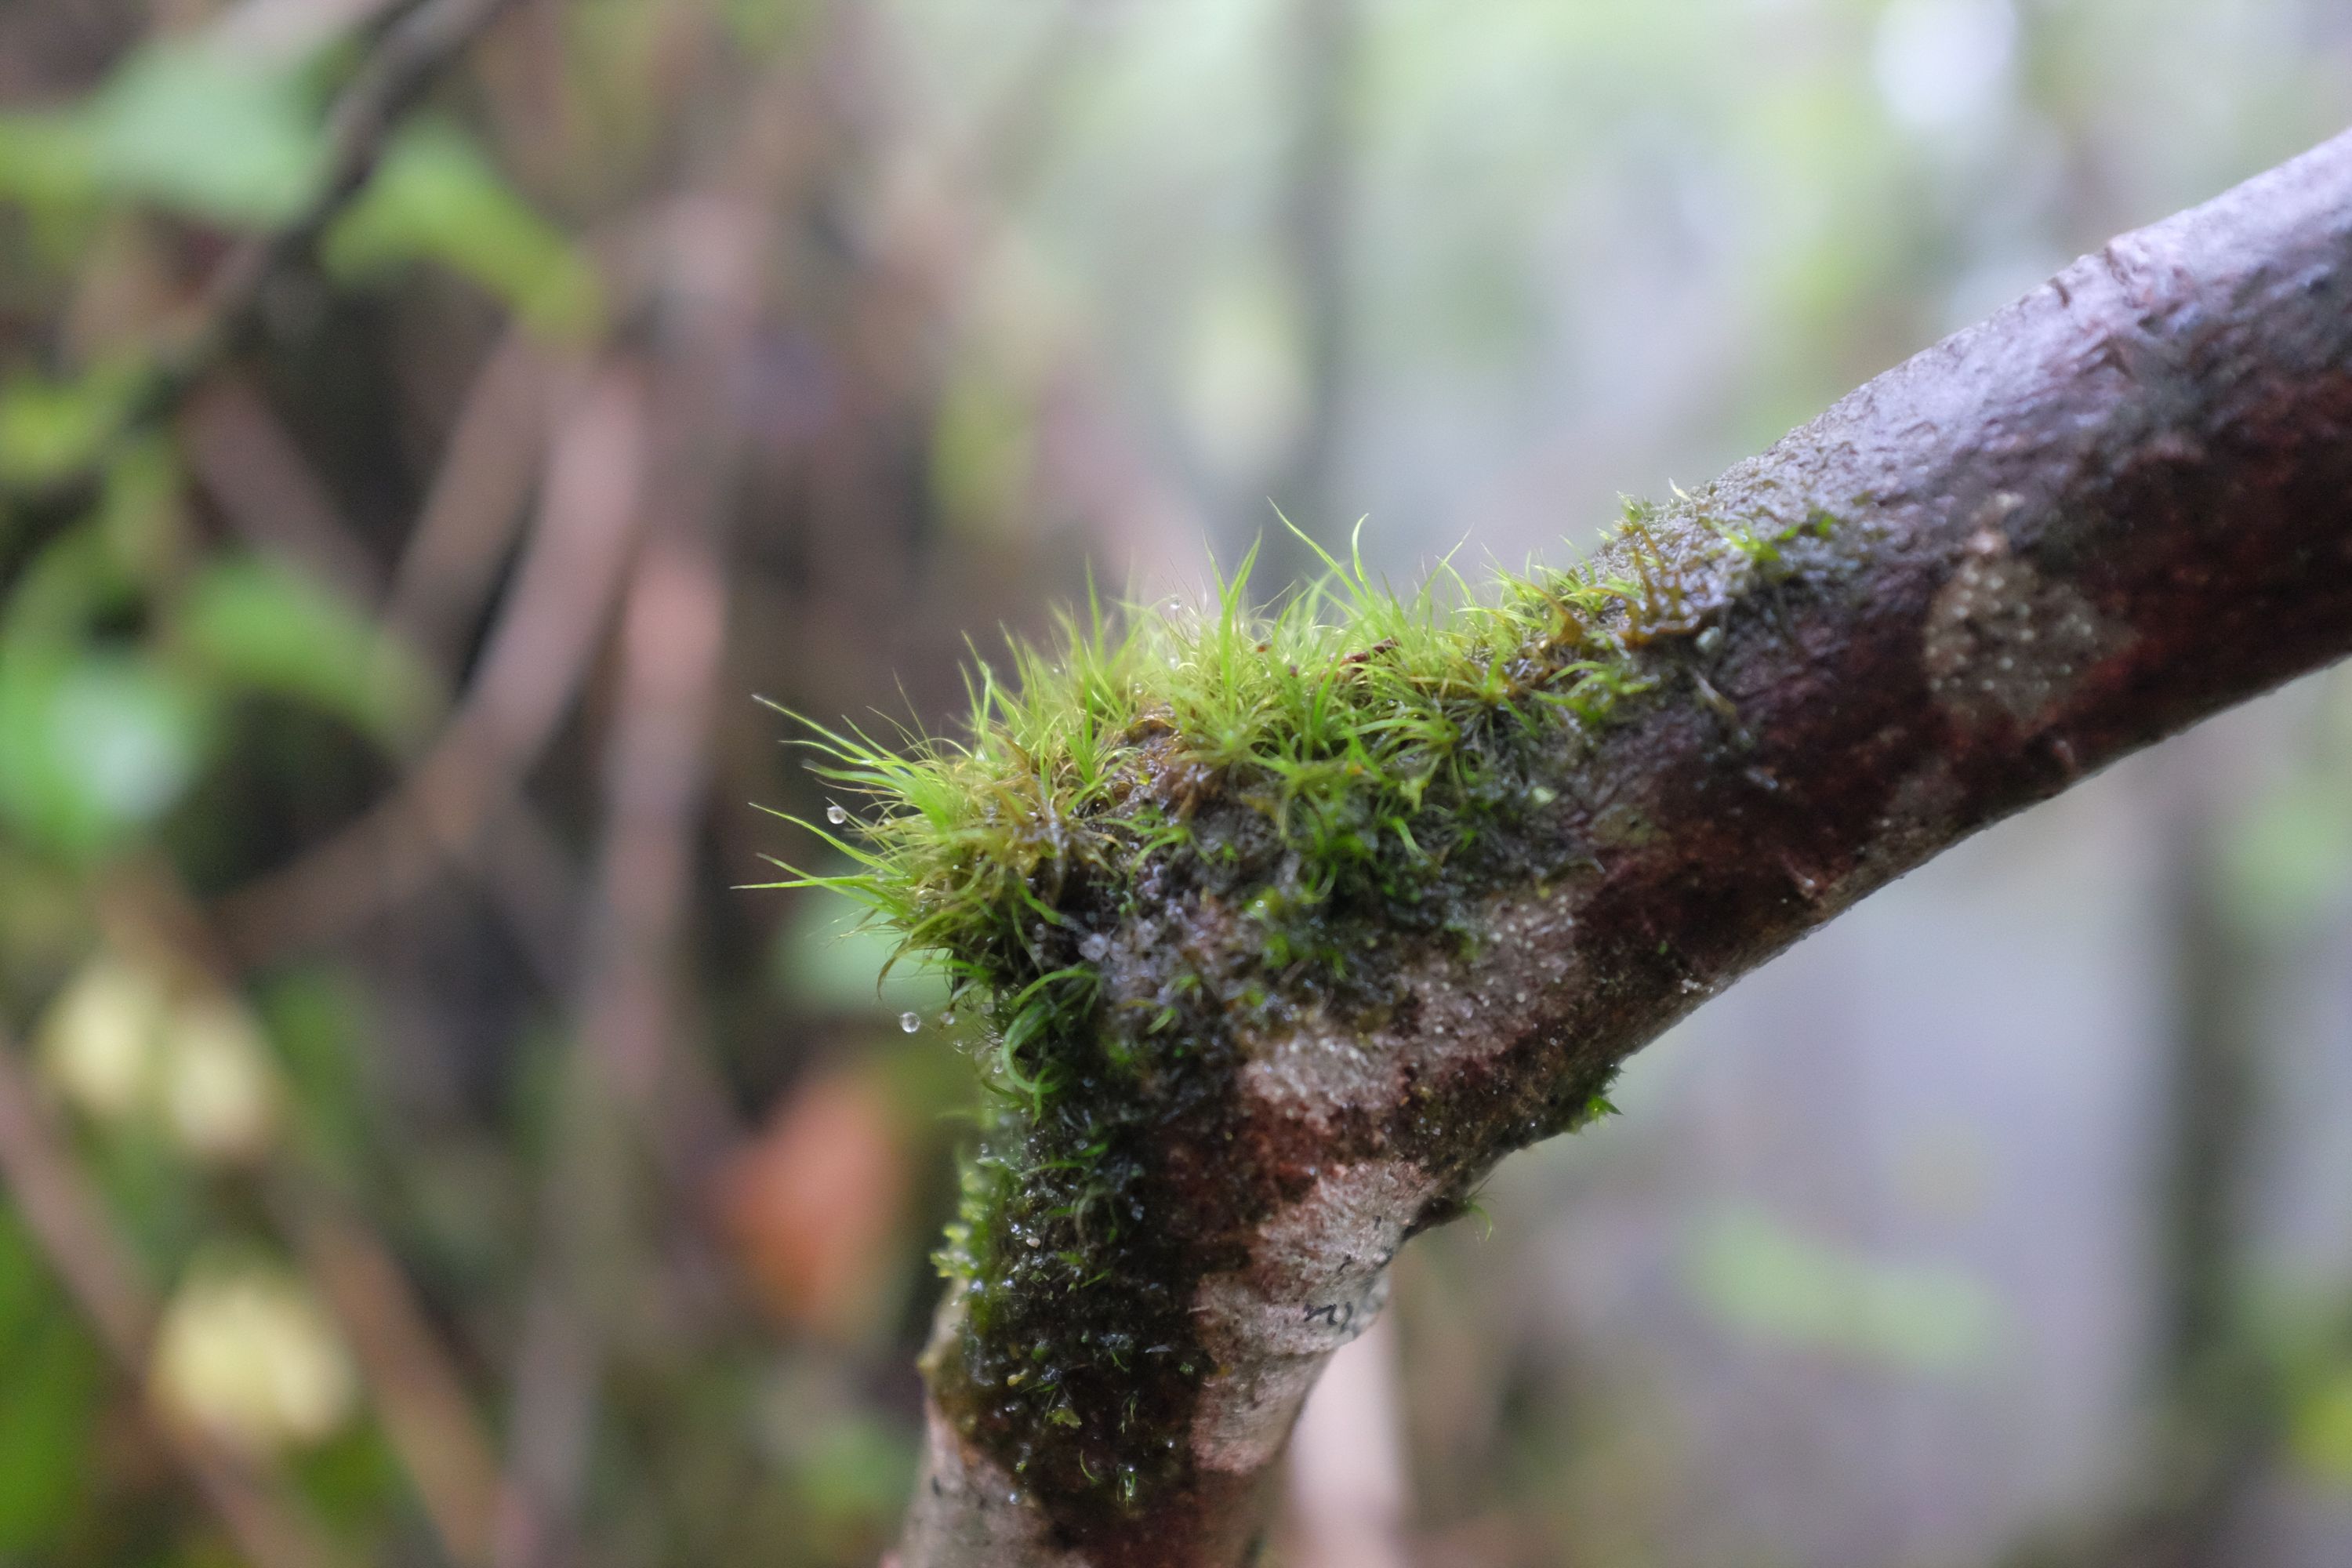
column 1336, row 771
column 1352, row 717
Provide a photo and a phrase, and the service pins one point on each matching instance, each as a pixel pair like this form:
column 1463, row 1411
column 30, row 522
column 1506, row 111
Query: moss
column 1357, row 720
column 1336, row 774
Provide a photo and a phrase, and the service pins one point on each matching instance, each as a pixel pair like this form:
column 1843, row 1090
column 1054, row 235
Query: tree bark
column 2121, row 503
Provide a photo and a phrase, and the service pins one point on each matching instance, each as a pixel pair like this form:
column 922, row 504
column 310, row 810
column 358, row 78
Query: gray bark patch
column 1318, row 1276
column 2002, row 641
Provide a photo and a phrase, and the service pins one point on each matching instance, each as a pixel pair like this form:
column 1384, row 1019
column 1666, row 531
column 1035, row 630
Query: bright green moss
column 1357, row 720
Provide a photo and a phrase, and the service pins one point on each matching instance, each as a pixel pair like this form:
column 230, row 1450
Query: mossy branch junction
column 1280, row 928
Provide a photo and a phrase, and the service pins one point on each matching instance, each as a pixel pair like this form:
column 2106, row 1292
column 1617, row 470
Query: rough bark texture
column 2120, row 504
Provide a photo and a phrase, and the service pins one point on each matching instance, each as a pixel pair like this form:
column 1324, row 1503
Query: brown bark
column 2121, row 503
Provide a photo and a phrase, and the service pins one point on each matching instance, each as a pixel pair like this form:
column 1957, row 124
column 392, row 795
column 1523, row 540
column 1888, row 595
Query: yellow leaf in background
column 102, row 1038
column 118, row 1042
column 220, row 1092
column 246, row 1352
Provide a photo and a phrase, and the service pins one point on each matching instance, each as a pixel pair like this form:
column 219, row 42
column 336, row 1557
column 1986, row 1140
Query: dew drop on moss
column 911, row 1022
column 836, row 815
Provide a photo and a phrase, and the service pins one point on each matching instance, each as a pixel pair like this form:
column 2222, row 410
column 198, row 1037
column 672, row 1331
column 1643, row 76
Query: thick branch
column 2121, row 503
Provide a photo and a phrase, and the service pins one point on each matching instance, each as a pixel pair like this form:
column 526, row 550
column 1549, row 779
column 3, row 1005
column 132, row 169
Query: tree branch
column 2121, row 503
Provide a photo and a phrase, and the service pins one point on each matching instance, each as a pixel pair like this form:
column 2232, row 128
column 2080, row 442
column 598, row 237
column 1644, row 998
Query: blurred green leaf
column 93, row 747
column 981, row 451
column 194, row 128
column 70, row 585
column 436, row 197
column 1766, row 1280
column 185, row 124
column 856, row 1466
column 258, row 625
column 51, row 1380
column 826, row 960
column 2289, row 854
column 847, row 1466
column 47, row 160
column 352, row 1478
column 51, row 429
column 139, row 517
column 2322, row 1433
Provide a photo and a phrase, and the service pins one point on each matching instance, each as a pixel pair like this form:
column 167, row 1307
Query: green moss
column 1354, row 717
column 1337, row 773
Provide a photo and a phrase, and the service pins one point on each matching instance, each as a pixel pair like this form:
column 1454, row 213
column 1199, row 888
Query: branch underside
column 2118, row 506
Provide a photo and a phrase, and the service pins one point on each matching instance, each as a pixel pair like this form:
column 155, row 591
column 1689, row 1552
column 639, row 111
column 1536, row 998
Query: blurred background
column 420, row 1149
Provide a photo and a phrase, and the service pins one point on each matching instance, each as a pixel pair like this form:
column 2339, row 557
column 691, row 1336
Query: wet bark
column 2120, row 504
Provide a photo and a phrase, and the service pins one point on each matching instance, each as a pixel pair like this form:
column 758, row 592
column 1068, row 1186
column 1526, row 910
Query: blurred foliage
column 2323, row 1427
column 1760, row 1276
column 2287, row 854
column 52, row 1387
column 254, row 626
column 192, row 128
column 436, row 197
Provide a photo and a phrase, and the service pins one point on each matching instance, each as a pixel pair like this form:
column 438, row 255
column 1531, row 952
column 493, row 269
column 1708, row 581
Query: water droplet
column 836, row 815
column 946, row 1019
column 911, row 1022
column 1094, row 948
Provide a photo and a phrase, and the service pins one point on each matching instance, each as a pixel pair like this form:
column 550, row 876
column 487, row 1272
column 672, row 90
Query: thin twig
column 1347, row 1488
column 428, row 1415
column 474, row 510
column 463, row 793
column 274, row 499
column 656, row 773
